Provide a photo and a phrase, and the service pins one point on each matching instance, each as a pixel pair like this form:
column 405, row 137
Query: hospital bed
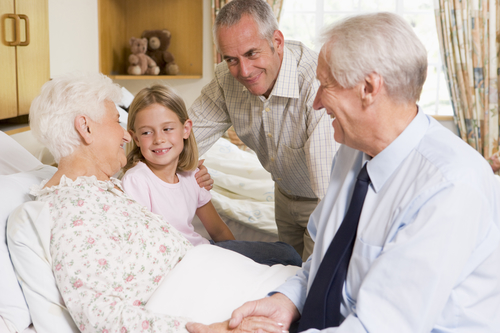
column 243, row 195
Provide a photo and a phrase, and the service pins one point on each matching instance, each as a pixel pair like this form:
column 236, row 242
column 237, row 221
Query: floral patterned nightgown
column 109, row 255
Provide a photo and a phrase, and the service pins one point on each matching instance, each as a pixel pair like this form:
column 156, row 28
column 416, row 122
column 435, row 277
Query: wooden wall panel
column 33, row 59
column 8, row 82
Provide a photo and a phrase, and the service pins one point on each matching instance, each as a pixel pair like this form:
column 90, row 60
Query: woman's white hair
column 61, row 100
column 262, row 13
column 382, row 43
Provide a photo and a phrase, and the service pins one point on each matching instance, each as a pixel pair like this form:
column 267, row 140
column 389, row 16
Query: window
column 304, row 20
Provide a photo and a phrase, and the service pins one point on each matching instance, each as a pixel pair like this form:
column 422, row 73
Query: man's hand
column 249, row 324
column 278, row 308
column 203, row 177
column 494, row 162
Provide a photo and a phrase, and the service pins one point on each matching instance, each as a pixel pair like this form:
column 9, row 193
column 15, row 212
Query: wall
column 73, row 36
column 74, row 45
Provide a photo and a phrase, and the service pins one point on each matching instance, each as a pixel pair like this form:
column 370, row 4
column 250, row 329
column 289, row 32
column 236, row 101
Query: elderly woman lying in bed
column 109, row 253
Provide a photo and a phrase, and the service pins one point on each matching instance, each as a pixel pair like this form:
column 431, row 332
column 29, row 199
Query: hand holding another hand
column 267, row 315
column 247, row 325
column 277, row 307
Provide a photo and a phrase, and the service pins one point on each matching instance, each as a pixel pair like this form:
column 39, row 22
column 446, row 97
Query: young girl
column 160, row 170
column 160, row 175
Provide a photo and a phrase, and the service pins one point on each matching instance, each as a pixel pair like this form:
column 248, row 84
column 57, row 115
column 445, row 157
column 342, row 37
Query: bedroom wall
column 73, row 33
column 73, row 36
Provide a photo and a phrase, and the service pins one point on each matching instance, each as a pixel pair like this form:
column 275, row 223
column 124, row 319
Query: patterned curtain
column 468, row 31
column 276, row 5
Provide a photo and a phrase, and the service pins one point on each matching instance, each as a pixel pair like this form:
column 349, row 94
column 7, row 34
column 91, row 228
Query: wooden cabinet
column 119, row 20
column 24, row 54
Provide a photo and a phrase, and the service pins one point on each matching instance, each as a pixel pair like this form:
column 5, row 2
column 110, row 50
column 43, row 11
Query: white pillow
column 210, row 282
column 28, row 141
column 28, row 234
column 14, row 191
column 13, row 157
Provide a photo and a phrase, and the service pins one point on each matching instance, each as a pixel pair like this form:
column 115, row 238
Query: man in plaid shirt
column 265, row 89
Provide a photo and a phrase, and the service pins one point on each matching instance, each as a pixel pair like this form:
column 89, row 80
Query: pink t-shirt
column 177, row 203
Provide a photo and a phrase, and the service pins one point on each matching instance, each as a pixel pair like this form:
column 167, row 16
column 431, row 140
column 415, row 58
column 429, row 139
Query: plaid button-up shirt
column 293, row 141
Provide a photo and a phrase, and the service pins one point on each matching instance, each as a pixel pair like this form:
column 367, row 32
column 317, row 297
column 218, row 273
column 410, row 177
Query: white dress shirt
column 293, row 141
column 427, row 254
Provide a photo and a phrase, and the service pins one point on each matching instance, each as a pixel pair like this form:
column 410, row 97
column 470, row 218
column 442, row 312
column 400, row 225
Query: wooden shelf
column 17, row 130
column 443, row 118
column 119, row 20
column 153, row 77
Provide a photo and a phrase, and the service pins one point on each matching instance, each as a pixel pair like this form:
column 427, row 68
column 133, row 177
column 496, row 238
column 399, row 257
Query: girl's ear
column 134, row 137
column 83, row 127
column 188, row 125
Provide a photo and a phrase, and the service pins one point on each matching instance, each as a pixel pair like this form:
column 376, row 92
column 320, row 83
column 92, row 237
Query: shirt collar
column 287, row 84
column 382, row 166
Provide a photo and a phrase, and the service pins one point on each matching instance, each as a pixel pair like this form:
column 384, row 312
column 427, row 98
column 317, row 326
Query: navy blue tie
column 322, row 306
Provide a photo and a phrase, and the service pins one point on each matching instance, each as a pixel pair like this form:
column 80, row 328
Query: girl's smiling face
column 160, row 135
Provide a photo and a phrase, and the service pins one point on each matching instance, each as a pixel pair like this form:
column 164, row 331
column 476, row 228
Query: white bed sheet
column 39, row 151
column 243, row 192
column 13, row 158
column 5, row 329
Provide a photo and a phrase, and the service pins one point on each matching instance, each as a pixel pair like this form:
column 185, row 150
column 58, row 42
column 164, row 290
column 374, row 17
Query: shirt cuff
column 295, row 290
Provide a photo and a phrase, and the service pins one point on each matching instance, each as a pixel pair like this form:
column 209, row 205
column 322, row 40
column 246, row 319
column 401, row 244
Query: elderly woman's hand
column 247, row 325
column 203, row 177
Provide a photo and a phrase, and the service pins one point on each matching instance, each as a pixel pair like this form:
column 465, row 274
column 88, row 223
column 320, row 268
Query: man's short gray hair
column 53, row 112
column 382, row 43
column 259, row 10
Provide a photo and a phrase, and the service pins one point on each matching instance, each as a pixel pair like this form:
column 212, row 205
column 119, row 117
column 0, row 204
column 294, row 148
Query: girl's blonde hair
column 164, row 96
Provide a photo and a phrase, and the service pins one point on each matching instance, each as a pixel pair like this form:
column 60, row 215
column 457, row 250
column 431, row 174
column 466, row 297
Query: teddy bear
column 140, row 62
column 158, row 43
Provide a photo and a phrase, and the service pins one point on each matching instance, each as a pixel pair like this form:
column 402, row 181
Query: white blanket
column 243, row 189
column 210, row 282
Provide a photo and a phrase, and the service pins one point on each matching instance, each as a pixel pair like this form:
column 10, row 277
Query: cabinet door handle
column 17, row 30
column 27, row 26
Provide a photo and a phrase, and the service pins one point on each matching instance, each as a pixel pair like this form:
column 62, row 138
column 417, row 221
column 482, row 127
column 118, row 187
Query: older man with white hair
column 407, row 237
